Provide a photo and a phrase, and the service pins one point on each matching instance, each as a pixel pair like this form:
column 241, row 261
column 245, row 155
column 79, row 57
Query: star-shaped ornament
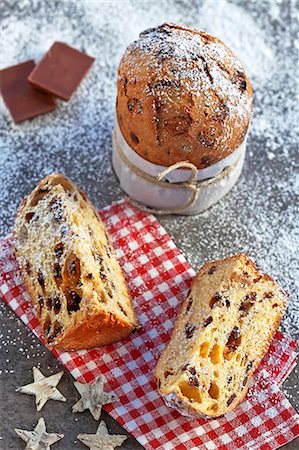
column 102, row 440
column 39, row 439
column 44, row 388
column 93, row 397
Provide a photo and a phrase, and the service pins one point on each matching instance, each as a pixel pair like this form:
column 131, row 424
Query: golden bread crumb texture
column 182, row 95
column 70, row 268
column 223, row 331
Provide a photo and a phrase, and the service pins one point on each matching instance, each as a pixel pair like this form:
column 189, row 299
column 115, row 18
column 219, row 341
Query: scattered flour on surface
column 260, row 215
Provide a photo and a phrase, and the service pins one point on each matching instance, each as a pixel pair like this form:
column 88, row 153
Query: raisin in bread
column 223, row 331
column 70, row 269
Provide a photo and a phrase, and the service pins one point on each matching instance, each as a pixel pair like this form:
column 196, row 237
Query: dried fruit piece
column 191, row 369
column 221, row 112
column 56, row 207
column 231, row 399
column 40, row 302
column 215, row 354
column 258, row 278
column 47, row 325
column 56, row 304
column 207, row 140
column 27, row 267
column 204, row 349
column 122, row 309
column 239, row 78
column 249, row 366
column 38, row 196
column 57, row 274
column 245, row 380
column 134, row 137
column 72, row 271
column 49, row 303
column 214, row 391
column 73, row 265
column 168, row 372
column 73, row 300
column 103, row 276
column 29, row 216
column 234, row 341
column 40, row 279
column 207, row 321
column 191, row 392
column 189, row 330
column 212, row 269
column 193, row 380
column 57, row 328
column 248, row 302
column 189, row 304
column 58, row 250
column 215, row 299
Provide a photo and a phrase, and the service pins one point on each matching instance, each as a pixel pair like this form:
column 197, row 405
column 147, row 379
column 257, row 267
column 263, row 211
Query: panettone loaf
column 182, row 95
column 70, row 268
column 223, row 331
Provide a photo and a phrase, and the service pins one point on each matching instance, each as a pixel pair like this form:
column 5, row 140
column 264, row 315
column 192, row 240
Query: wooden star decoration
column 38, row 439
column 44, row 388
column 93, row 397
column 102, row 440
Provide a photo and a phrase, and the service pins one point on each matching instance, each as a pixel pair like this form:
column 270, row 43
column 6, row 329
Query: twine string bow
column 192, row 184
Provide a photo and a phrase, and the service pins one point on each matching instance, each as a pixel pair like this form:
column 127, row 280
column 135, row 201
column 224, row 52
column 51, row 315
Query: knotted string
column 192, row 184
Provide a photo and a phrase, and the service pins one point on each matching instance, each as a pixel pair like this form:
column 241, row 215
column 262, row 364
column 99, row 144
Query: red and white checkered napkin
column 159, row 276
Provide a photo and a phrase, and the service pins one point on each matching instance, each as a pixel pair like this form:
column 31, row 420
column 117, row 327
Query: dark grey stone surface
column 259, row 216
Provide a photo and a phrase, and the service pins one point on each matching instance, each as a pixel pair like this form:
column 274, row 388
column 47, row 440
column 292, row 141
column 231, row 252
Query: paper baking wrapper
column 159, row 195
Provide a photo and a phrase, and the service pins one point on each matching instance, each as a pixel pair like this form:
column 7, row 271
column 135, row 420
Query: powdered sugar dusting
column 197, row 64
column 260, row 215
column 189, row 77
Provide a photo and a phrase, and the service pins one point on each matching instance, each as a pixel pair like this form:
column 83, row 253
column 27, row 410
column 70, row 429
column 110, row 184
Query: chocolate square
column 61, row 70
column 21, row 98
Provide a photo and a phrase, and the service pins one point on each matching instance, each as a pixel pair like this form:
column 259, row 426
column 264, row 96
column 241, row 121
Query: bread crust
column 94, row 324
column 174, row 397
column 112, row 329
column 85, row 335
column 182, row 95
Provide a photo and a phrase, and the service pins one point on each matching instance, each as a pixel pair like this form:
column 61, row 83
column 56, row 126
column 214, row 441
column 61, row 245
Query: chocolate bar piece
column 61, row 70
column 20, row 97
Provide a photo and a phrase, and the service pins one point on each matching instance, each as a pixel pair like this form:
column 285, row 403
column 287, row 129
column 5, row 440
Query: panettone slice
column 223, row 331
column 70, row 268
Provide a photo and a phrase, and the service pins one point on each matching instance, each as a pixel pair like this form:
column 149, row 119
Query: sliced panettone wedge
column 223, row 331
column 70, row 269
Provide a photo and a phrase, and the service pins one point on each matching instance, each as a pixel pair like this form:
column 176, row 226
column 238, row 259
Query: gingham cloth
column 159, row 276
